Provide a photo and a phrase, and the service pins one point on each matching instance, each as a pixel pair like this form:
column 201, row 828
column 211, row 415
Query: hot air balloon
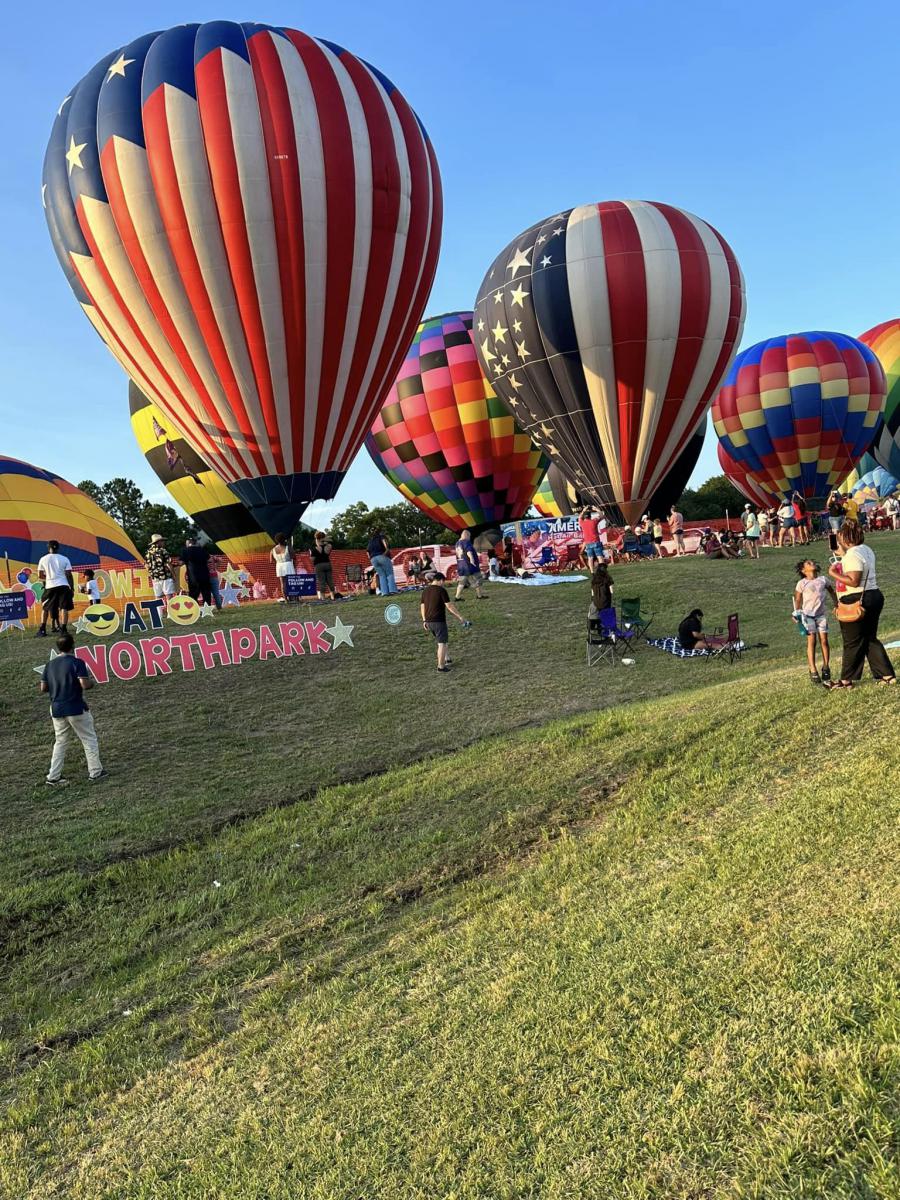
column 445, row 440
column 556, row 497
column 36, row 505
column 798, row 411
column 884, row 339
column 875, row 485
column 209, row 502
column 745, row 483
column 607, row 329
column 677, row 478
column 866, row 464
column 250, row 218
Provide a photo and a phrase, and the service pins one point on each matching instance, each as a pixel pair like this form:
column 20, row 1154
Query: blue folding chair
column 621, row 637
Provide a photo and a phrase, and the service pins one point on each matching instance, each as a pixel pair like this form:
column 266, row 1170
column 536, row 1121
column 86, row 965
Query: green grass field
column 525, row 930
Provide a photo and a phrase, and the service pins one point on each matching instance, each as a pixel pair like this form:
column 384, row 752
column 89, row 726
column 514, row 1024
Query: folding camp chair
column 634, row 618
column 729, row 644
column 621, row 637
column 353, row 576
column 600, row 646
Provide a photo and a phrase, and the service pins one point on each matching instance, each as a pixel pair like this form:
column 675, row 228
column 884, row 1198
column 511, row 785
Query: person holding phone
column 855, row 572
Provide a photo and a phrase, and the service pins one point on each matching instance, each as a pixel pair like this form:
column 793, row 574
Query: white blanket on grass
column 538, row 580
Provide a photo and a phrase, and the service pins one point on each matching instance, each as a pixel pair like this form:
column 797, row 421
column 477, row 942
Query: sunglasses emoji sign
column 101, row 620
column 183, row 610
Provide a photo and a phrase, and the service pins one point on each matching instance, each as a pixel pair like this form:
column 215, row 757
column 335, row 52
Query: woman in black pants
column 856, row 572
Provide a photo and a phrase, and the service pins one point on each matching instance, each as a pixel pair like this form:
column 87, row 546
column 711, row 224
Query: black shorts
column 439, row 631
column 57, row 600
column 657, row 541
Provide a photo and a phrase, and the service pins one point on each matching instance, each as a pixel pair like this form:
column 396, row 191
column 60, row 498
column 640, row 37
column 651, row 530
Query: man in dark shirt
column 690, row 631
column 196, row 564
column 435, row 605
column 66, row 679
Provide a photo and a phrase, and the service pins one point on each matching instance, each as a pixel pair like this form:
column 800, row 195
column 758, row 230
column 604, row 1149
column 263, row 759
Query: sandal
column 834, row 684
column 887, row 679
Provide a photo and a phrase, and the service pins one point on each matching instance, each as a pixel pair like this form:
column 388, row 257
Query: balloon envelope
column 876, row 484
column 676, row 480
column 556, row 497
column 250, row 219
column 445, row 440
column 798, row 411
column 607, row 329
column 745, row 482
column 209, row 502
column 36, row 505
column 884, row 339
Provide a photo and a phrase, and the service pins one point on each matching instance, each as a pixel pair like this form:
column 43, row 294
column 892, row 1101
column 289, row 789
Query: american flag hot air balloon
column 250, row 218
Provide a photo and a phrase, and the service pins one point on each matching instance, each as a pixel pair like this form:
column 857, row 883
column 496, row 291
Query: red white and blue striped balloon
column 607, row 328
column 250, row 218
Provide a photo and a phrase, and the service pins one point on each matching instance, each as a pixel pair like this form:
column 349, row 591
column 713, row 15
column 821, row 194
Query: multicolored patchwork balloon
column 445, row 440
column 876, row 485
column 746, row 483
column 250, row 219
column 556, row 497
column 607, row 329
column 36, row 505
column 884, row 339
column 798, row 411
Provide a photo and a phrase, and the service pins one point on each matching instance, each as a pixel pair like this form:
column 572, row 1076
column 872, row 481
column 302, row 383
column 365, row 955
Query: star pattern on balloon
column 340, row 634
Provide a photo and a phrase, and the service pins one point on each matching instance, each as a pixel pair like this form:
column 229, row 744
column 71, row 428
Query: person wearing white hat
column 159, row 568
column 752, row 531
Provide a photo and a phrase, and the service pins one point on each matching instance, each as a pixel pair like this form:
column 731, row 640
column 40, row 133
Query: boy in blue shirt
column 66, row 679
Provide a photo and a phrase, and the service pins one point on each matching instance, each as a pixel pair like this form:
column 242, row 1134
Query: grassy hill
column 343, row 927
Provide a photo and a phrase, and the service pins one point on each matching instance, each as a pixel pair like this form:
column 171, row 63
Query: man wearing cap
column 752, row 531
column 159, row 568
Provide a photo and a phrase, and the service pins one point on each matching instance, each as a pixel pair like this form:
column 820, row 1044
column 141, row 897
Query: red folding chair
column 729, row 644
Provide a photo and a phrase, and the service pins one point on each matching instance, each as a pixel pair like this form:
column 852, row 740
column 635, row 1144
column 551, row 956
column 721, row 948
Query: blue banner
column 13, row 607
column 296, row 586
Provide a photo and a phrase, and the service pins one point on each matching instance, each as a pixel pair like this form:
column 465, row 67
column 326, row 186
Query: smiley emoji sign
column 183, row 610
column 100, row 620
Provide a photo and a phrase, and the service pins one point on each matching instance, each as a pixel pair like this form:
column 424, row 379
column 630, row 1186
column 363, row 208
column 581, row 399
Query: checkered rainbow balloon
column 884, row 339
column 445, row 440
column 797, row 412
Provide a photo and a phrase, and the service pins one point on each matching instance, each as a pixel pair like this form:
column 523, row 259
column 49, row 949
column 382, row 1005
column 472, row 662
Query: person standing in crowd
column 856, row 573
column 434, row 606
column 321, row 557
column 801, row 516
column 752, row 532
column 690, row 631
column 835, row 511
column 66, row 679
column 468, row 568
column 283, row 558
column 381, row 561
column 657, row 537
column 90, row 587
column 676, row 525
column 590, row 533
column 601, row 590
column 159, row 569
column 788, row 523
column 892, row 511
column 851, row 508
column 195, row 559
column 57, row 600
column 809, row 608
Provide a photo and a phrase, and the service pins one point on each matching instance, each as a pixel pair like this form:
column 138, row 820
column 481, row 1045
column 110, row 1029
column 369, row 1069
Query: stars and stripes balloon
column 445, row 440
column 250, row 218
column 676, row 480
column 798, row 411
column 192, row 484
column 607, row 329
column 884, row 339
column 745, row 482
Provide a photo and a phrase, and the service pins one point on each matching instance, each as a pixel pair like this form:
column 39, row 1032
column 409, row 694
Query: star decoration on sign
column 522, row 350
column 81, row 625
column 499, row 332
column 232, row 595
column 73, row 154
column 518, row 296
column 206, row 610
column 118, row 67
column 11, row 625
column 233, row 575
column 545, row 261
column 40, row 670
column 340, row 634
column 519, row 261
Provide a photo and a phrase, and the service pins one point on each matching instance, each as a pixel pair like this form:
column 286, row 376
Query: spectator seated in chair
column 630, row 547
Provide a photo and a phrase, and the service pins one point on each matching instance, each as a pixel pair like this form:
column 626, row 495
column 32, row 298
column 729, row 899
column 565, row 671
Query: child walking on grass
column 810, row 612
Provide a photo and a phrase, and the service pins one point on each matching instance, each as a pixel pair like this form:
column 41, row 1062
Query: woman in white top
column 856, row 574
column 284, row 561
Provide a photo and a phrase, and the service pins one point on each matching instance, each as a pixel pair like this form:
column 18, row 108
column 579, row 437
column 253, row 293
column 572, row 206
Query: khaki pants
column 83, row 727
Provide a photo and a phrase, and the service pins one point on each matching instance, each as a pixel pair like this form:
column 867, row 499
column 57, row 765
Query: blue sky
column 771, row 121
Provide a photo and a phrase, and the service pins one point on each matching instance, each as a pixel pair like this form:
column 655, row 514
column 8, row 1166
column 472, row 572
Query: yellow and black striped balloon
column 207, row 500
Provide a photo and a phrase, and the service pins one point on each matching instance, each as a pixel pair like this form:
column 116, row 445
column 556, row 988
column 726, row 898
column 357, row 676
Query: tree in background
column 125, row 503
column 712, row 499
column 402, row 525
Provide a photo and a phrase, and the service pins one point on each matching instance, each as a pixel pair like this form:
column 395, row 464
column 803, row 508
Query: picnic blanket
column 673, row 646
column 538, row 580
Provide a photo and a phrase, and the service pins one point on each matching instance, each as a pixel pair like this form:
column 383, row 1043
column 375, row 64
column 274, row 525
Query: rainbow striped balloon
column 884, row 339
column 36, row 505
column 798, row 411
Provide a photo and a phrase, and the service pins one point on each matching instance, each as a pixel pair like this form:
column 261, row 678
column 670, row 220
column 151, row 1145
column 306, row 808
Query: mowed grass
column 648, row 951
column 190, row 753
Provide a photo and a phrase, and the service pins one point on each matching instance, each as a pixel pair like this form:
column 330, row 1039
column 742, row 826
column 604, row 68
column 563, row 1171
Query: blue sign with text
column 296, row 586
column 13, row 607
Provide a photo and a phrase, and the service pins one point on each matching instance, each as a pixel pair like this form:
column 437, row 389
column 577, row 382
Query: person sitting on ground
column 690, row 631
column 712, row 546
column 601, row 590
column 434, row 606
column 809, row 609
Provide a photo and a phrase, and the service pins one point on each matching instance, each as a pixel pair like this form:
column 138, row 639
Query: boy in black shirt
column 434, row 607
column 66, row 679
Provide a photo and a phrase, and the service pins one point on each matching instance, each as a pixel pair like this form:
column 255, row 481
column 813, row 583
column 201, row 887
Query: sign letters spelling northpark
column 161, row 655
